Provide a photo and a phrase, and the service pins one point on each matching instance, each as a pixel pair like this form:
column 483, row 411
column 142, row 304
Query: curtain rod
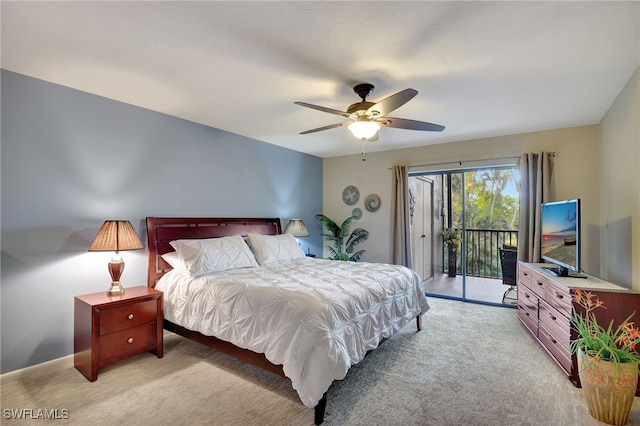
column 460, row 162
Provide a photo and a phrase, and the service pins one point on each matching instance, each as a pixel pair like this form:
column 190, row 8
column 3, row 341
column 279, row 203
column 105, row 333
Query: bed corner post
column 319, row 410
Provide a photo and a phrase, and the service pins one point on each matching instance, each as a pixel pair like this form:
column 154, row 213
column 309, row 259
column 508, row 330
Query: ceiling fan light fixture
column 363, row 128
column 368, row 117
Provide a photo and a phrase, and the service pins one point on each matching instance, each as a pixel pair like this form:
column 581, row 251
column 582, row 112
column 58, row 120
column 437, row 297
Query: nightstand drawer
column 125, row 317
column 137, row 339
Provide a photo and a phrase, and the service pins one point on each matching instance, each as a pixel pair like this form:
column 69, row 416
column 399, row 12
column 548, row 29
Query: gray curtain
column 400, row 218
column 535, row 171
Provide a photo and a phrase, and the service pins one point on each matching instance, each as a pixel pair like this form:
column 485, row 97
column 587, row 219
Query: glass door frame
column 464, row 243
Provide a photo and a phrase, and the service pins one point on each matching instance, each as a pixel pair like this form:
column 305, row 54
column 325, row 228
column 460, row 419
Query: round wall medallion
column 372, row 202
column 350, row 195
column 356, row 213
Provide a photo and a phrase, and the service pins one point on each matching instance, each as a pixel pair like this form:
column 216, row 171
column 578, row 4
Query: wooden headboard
column 162, row 230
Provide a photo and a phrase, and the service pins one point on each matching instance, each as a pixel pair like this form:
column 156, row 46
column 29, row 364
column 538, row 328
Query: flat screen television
column 561, row 236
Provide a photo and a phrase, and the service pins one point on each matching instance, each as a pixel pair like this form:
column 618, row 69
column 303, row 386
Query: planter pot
column 609, row 390
column 451, row 260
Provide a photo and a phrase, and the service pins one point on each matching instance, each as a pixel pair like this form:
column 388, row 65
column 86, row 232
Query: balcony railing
column 483, row 252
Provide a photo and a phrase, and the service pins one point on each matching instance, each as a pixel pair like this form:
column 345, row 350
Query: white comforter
column 315, row 317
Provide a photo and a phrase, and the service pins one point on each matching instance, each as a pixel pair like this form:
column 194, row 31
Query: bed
column 240, row 286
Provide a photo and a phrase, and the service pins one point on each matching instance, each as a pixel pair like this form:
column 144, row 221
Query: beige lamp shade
column 296, row 228
column 116, row 236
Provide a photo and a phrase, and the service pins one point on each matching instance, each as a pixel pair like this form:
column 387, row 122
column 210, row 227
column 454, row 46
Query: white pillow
column 214, row 254
column 274, row 248
column 174, row 260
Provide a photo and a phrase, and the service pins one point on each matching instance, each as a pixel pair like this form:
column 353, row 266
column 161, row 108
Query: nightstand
column 111, row 328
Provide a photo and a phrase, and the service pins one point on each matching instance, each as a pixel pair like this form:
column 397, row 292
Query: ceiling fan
column 366, row 118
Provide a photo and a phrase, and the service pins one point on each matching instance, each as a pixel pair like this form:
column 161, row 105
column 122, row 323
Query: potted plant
column 342, row 243
column 451, row 238
column 607, row 360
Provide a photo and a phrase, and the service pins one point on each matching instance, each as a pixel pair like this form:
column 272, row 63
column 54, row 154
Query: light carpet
column 470, row 365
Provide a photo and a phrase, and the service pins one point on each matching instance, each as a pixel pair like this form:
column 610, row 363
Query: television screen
column 561, row 235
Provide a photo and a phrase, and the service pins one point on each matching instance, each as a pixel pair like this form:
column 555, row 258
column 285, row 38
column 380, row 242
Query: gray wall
column 71, row 160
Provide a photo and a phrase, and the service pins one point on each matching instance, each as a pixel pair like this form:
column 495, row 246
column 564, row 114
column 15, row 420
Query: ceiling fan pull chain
column 364, row 143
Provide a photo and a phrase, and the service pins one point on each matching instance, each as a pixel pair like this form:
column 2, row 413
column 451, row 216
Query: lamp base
column 116, row 289
column 116, row 266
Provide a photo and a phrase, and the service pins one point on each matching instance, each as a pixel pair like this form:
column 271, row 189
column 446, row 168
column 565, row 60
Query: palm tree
column 342, row 243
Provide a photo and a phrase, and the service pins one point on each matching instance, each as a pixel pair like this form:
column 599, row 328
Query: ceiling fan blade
column 325, row 109
column 330, row 126
column 392, row 103
column 403, row 123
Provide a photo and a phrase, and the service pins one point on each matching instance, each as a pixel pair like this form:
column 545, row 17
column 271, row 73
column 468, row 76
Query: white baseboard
column 54, row 364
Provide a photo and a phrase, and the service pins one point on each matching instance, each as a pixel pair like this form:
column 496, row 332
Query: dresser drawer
column 529, row 318
column 539, row 285
column 560, row 298
column 527, row 298
column 116, row 319
column 557, row 348
column 556, row 323
column 524, row 275
column 137, row 339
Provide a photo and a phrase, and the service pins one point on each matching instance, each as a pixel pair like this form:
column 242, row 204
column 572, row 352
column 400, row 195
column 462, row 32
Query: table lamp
column 297, row 228
column 116, row 235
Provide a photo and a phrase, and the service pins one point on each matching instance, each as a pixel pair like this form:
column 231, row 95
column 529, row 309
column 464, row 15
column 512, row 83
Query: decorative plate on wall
column 350, row 195
column 372, row 202
column 356, row 213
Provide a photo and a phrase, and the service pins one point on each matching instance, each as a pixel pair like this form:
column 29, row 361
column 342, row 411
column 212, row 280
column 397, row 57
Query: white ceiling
column 481, row 68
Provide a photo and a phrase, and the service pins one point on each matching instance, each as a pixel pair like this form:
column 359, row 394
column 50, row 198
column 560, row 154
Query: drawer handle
column 553, row 317
column 130, row 316
column 130, row 340
column 559, row 296
column 539, row 283
column 527, row 296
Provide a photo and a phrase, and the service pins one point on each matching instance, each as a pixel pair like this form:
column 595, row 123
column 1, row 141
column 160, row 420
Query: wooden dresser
column 545, row 307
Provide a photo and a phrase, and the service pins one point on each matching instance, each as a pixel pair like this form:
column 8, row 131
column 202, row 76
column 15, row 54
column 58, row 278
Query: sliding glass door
column 479, row 207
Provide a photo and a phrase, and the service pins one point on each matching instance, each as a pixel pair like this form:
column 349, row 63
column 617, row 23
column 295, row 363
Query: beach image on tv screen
column 559, row 232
